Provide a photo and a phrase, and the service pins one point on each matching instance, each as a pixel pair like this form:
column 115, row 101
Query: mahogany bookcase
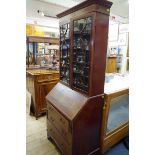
column 74, row 105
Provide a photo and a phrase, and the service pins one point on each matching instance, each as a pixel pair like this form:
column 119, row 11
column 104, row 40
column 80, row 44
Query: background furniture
column 74, row 105
column 127, row 64
column 39, row 82
column 42, row 51
column 115, row 117
column 111, row 64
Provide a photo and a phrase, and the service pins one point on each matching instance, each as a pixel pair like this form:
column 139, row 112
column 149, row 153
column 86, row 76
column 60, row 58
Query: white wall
column 118, row 21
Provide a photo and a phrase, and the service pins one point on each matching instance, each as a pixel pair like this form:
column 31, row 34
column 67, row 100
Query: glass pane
column 47, row 55
column 81, row 53
column 119, row 112
column 64, row 53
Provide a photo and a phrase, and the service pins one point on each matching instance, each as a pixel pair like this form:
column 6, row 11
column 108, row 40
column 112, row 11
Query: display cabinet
column 74, row 105
column 115, row 124
column 82, row 47
column 111, row 66
column 115, row 117
column 82, row 30
column 43, row 52
column 65, row 53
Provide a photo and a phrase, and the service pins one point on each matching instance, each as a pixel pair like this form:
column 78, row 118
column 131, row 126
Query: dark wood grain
column 85, row 4
column 67, row 101
column 99, row 54
column 82, row 111
column 83, row 115
column 86, row 127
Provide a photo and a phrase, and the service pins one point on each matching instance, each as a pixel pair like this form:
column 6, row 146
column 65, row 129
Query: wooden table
column 39, row 82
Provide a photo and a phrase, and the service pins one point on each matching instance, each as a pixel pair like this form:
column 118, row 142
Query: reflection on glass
column 64, row 53
column 81, row 53
column 30, row 54
column 119, row 112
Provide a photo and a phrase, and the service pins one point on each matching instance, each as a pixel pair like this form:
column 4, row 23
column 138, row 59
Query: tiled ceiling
column 66, row 3
column 119, row 7
column 53, row 7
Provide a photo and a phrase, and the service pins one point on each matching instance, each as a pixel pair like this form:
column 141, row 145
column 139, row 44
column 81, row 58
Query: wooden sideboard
column 39, row 82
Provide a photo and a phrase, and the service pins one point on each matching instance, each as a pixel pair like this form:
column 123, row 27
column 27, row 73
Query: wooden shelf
column 43, row 40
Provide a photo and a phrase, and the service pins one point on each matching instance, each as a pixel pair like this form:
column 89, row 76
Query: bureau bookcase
column 74, row 105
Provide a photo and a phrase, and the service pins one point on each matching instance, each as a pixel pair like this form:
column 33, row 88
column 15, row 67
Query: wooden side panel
column 39, row 84
column 43, row 88
column 86, row 128
column 99, row 54
column 30, row 84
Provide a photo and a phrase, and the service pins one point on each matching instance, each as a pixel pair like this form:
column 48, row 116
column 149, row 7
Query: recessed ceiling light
column 42, row 13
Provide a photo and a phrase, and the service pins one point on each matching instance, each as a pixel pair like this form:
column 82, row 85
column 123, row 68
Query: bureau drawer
column 55, row 116
column 59, row 122
column 65, row 148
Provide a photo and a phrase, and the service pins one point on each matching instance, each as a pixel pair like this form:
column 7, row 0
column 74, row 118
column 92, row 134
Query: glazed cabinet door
column 115, row 119
column 82, row 32
column 65, row 53
column 118, row 112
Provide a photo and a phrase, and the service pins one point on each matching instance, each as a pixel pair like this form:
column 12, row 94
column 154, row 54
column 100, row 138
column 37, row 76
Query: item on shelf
column 113, row 51
column 64, row 53
column 82, row 41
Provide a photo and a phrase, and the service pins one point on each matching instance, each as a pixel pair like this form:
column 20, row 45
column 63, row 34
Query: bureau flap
column 66, row 100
